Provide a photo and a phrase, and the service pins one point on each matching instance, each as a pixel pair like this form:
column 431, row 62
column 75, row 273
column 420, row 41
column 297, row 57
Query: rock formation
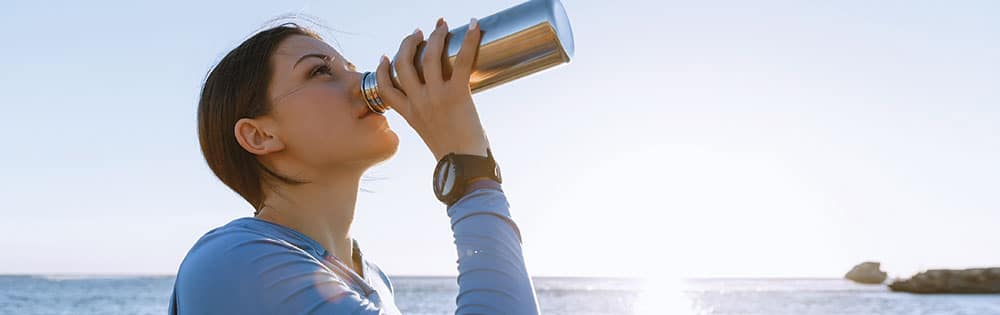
column 867, row 272
column 981, row 280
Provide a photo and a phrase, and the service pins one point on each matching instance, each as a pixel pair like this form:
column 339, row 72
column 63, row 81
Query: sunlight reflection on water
column 665, row 295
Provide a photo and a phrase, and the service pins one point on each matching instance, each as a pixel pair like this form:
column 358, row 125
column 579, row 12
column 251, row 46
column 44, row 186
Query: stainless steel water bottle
column 516, row 42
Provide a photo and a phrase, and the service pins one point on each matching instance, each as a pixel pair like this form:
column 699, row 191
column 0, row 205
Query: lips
column 365, row 112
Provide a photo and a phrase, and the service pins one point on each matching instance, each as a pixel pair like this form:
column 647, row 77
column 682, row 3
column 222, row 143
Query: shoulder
column 239, row 270
column 226, row 266
column 237, row 248
column 232, row 249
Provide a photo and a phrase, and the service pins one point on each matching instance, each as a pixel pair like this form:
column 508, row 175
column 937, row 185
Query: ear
column 255, row 136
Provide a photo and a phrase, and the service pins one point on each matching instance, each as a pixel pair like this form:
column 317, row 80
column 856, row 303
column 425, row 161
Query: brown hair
column 236, row 88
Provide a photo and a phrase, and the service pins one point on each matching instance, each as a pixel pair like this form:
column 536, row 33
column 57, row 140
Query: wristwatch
column 453, row 172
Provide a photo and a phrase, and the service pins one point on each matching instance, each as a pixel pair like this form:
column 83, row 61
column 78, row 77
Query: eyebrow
column 320, row 56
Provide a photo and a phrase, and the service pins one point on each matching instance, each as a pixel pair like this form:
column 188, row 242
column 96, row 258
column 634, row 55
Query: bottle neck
column 369, row 89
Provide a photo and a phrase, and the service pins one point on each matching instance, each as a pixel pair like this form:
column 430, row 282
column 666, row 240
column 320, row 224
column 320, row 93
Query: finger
column 432, row 53
column 466, row 59
column 405, row 72
column 392, row 96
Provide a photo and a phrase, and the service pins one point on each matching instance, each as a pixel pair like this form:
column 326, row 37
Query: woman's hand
column 440, row 109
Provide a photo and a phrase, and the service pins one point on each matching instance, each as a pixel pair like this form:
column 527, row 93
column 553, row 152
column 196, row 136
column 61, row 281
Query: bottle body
column 516, row 42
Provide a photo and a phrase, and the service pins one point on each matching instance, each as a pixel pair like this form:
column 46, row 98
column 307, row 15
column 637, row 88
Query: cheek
column 322, row 119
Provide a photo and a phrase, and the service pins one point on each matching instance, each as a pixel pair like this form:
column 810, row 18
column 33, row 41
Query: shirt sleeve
column 492, row 275
column 243, row 273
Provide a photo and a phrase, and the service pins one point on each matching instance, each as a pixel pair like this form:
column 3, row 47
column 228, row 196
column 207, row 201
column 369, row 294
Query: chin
column 384, row 148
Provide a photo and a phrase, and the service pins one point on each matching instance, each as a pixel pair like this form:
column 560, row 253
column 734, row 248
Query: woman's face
column 316, row 106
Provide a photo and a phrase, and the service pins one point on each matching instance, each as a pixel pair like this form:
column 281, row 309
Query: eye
column 323, row 69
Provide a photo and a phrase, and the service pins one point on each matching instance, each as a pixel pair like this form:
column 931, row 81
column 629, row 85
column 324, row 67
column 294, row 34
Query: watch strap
column 483, row 183
column 478, row 166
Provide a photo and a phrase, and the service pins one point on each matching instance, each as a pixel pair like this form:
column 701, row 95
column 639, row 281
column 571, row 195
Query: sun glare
column 664, row 294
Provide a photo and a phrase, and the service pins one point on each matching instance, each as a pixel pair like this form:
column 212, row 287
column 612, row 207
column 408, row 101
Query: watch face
column 445, row 178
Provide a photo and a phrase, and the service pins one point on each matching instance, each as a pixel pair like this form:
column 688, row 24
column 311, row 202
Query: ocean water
column 436, row 295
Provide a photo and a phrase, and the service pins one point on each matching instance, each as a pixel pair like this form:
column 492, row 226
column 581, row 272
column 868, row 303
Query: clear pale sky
column 723, row 138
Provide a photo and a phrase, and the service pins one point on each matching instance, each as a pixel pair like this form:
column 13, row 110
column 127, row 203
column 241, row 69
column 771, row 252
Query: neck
column 322, row 209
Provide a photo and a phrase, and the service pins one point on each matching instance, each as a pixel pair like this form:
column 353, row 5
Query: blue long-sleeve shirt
column 252, row 266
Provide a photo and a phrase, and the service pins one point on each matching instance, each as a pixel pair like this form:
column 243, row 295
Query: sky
column 705, row 139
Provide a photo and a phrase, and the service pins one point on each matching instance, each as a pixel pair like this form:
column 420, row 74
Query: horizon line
column 623, row 277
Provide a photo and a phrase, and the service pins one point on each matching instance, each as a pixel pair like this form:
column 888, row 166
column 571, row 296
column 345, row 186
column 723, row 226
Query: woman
column 282, row 122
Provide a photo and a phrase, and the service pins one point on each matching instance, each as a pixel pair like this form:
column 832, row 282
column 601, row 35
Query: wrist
column 479, row 150
column 461, row 173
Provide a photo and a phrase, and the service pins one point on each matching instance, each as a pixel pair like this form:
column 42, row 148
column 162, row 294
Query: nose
column 356, row 85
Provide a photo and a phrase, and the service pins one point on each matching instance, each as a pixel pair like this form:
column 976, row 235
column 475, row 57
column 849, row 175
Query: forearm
column 492, row 275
